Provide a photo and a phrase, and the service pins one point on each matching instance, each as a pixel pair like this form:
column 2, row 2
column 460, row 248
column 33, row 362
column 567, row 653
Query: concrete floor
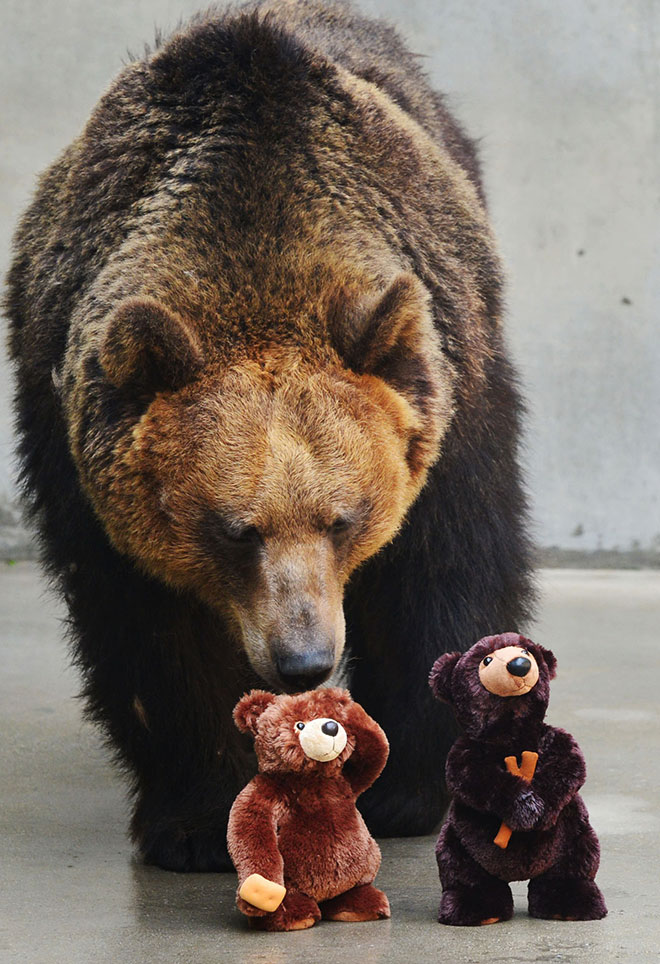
column 72, row 892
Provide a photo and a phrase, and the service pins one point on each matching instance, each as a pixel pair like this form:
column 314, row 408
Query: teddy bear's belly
column 527, row 855
column 326, row 849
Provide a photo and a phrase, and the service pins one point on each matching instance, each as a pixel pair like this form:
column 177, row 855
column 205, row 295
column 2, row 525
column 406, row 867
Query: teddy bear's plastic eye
column 487, row 660
column 525, row 652
column 300, row 726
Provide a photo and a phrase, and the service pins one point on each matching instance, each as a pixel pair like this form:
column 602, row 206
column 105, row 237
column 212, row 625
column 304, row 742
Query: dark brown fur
column 553, row 845
column 255, row 316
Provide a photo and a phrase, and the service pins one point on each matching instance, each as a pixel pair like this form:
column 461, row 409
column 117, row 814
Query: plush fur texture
column 256, row 323
column 296, row 822
column 553, row 844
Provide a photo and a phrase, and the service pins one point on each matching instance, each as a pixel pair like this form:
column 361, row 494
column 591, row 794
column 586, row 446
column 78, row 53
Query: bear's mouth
column 523, row 686
column 331, row 755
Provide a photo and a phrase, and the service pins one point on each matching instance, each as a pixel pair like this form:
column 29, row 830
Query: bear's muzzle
column 321, row 739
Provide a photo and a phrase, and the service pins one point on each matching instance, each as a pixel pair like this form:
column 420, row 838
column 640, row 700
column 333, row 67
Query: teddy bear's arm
column 480, row 780
column 560, row 773
column 371, row 750
column 251, row 833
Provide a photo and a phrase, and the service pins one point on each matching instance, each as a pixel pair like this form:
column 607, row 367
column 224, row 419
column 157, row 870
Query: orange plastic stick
column 526, row 771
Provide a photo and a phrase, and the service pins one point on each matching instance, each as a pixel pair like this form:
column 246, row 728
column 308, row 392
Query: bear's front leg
column 156, row 667
column 389, row 681
column 470, row 895
column 190, row 768
column 181, row 825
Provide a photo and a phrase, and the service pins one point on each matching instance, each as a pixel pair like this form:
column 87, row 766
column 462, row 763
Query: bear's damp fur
column 256, row 321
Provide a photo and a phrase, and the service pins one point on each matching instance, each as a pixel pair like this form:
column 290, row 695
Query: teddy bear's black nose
column 519, row 666
column 330, row 728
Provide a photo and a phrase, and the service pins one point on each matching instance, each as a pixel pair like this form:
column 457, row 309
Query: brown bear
column 299, row 845
column 264, row 406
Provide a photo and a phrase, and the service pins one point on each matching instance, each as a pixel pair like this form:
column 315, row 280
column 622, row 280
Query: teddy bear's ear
column 440, row 676
column 250, row 707
column 549, row 659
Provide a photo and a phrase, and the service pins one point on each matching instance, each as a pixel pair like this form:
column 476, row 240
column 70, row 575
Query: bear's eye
column 228, row 535
column 487, row 660
column 525, row 652
column 349, row 520
column 246, row 535
column 340, row 526
column 300, row 726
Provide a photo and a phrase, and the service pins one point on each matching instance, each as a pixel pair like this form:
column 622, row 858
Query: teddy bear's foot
column 297, row 912
column 465, row 906
column 565, row 898
column 364, row 902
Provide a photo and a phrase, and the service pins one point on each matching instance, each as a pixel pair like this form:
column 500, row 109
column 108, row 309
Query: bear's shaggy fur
column 256, row 322
column 296, row 822
column 552, row 844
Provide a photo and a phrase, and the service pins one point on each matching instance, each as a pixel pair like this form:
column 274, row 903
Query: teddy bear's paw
column 297, row 912
column 527, row 812
column 359, row 903
column 565, row 898
column 200, row 851
column 463, row 906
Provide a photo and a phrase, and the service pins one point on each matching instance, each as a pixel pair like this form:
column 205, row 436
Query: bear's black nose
column 304, row 670
column 519, row 666
column 330, row 728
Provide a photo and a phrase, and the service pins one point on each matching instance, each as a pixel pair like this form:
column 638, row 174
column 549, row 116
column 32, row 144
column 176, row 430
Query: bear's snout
column 305, row 668
column 321, row 739
column 509, row 671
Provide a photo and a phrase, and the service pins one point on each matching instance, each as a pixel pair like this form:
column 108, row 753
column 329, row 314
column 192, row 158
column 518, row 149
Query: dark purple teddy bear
column 499, row 690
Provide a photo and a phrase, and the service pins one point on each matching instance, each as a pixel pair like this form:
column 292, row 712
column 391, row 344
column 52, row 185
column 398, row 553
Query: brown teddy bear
column 301, row 849
column 510, row 821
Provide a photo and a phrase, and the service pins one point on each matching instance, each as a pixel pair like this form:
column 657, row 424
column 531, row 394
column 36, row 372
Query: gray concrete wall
column 565, row 97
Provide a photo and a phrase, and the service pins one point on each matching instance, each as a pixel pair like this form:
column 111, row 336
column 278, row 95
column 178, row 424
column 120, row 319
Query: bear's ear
column 393, row 337
column 148, row 347
column 549, row 659
column 250, row 707
column 370, row 338
column 440, row 676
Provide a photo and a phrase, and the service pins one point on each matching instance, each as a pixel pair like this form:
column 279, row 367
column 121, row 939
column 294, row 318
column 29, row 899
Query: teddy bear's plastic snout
column 509, row 671
column 322, row 739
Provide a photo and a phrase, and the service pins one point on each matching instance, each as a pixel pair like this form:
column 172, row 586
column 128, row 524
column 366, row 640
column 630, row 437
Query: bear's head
column 309, row 732
column 499, row 688
column 260, row 479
